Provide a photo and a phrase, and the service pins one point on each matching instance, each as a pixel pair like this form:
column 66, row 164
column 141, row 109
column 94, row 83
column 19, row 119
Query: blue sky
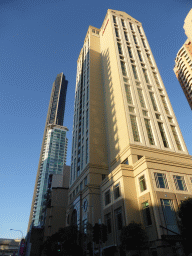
column 38, row 40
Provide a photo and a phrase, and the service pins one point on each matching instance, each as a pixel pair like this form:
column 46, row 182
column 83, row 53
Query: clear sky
column 38, row 40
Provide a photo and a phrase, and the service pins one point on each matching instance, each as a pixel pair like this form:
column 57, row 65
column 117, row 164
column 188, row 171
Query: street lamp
column 20, row 241
column 17, row 230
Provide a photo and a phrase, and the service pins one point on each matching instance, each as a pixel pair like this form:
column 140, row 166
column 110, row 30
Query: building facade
column 129, row 160
column 53, row 149
column 183, row 61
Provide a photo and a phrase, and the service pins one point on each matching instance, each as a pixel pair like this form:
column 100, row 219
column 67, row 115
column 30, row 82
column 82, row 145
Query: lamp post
column 21, row 239
column 17, row 230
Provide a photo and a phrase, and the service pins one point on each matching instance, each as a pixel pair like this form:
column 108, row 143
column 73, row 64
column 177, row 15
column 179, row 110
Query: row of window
column 116, row 194
column 161, row 182
column 147, row 121
column 80, row 187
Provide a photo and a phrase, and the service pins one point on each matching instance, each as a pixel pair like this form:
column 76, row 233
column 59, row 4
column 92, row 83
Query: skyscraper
column 183, row 61
column 129, row 160
column 53, row 149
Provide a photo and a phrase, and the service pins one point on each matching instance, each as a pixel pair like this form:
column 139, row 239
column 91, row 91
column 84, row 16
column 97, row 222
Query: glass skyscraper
column 53, row 150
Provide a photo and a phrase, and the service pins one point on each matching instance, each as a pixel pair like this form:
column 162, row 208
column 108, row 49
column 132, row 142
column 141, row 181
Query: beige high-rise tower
column 183, row 61
column 129, row 160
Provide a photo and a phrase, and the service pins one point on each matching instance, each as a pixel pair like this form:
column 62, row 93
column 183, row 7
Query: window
column 119, row 48
column 123, row 68
column 145, row 113
column 179, row 183
column 169, row 215
column 165, row 105
column 161, row 180
column 87, row 152
column 146, row 76
column 126, row 36
column 123, row 23
column 125, row 161
column 116, row 190
column 140, row 57
column 118, row 218
column 134, row 128
column 161, row 129
column 81, row 186
column 85, row 181
column 153, row 101
column 176, row 137
column 146, row 214
column 107, row 219
column 142, row 183
column 135, row 40
column 117, row 32
column 149, row 131
column 139, row 29
column 103, row 176
column 156, row 79
column 87, row 118
column 141, row 98
column 149, row 59
column 114, row 19
column 107, row 197
column 131, row 109
column 131, row 26
column 134, row 71
column 130, row 52
column 143, row 41
column 128, row 94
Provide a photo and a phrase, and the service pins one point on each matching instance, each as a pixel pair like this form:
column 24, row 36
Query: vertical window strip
column 153, row 101
column 128, row 94
column 149, row 131
column 126, row 36
column 117, row 32
column 131, row 26
column 176, row 137
column 87, row 152
column 114, row 20
column 135, row 40
column 146, row 76
column 123, row 67
column 165, row 105
column 156, row 79
column 135, row 71
column 135, row 128
column 143, row 41
column 162, row 132
column 130, row 52
column 119, row 48
column 139, row 29
column 140, row 57
column 123, row 23
column 149, row 59
column 141, row 98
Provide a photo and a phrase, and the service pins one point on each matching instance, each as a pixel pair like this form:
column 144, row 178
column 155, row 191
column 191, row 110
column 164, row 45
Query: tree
column 133, row 237
column 64, row 242
column 185, row 223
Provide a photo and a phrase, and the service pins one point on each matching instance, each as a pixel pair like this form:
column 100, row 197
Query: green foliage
column 185, row 223
column 185, row 213
column 64, row 242
column 133, row 236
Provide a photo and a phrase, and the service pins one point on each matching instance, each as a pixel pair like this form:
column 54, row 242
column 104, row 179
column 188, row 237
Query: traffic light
column 96, row 233
column 103, row 233
column 59, row 247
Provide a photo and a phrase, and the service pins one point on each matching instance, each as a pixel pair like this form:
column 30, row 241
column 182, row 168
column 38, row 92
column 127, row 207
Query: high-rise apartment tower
column 129, row 160
column 53, row 149
column 183, row 61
